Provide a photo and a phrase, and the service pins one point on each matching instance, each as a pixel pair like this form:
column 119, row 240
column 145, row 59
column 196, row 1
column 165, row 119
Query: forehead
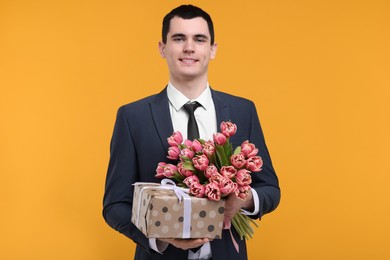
column 192, row 26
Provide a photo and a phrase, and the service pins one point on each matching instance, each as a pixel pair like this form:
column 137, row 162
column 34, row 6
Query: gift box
column 166, row 211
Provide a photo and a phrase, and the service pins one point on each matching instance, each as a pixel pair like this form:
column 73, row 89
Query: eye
column 201, row 40
column 178, row 39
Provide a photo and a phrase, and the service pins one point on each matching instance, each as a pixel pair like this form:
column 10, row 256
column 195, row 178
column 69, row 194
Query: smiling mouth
column 188, row 61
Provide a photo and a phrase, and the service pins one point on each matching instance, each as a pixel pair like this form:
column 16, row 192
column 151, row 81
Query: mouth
column 188, row 60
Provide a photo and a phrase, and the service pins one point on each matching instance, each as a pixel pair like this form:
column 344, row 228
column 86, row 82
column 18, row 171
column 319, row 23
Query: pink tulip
column 212, row 191
column 196, row 146
column 210, row 170
column 216, row 177
column 228, row 129
column 249, row 149
column 228, row 171
column 183, row 171
column 208, row 148
column 243, row 177
column 200, row 162
column 191, row 180
column 160, row 170
column 186, row 152
column 173, row 153
column 187, row 143
column 170, row 170
column 254, row 164
column 227, row 186
column 175, row 139
column 219, row 139
column 197, row 190
column 242, row 192
column 238, row 160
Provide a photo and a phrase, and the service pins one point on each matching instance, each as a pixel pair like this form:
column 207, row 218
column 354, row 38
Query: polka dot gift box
column 166, row 211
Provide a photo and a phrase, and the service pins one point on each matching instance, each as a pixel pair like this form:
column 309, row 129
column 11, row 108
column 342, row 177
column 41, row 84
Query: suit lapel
column 221, row 108
column 162, row 117
column 223, row 112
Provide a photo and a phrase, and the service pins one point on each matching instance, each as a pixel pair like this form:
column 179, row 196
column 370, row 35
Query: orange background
column 318, row 72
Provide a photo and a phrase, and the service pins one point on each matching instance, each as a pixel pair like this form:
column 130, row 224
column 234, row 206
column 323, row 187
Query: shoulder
column 144, row 102
column 231, row 99
column 141, row 105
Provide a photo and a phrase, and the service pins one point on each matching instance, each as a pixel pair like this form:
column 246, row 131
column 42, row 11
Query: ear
column 213, row 50
column 161, row 48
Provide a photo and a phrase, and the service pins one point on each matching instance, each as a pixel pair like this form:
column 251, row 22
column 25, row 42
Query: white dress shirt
column 206, row 119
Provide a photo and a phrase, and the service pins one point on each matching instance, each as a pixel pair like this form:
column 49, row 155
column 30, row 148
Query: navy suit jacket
column 139, row 143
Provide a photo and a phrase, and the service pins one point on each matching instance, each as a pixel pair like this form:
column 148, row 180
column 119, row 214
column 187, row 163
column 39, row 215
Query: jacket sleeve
column 122, row 173
column 264, row 182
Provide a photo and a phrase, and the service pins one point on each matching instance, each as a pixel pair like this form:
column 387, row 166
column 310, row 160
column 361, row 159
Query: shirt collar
column 177, row 99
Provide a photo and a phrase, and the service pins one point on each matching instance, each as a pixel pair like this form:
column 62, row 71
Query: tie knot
column 190, row 107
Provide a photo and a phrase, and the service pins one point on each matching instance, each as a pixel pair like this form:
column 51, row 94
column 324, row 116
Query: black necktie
column 192, row 128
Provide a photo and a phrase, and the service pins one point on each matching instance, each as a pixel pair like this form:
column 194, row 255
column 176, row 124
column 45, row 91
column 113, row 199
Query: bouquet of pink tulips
column 211, row 169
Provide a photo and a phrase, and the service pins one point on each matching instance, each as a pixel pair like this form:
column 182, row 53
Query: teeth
column 188, row 60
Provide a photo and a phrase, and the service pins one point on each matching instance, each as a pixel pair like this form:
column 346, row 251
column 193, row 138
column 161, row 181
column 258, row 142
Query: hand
column 186, row 243
column 234, row 204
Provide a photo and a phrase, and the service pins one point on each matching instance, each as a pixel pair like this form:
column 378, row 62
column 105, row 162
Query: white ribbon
column 167, row 184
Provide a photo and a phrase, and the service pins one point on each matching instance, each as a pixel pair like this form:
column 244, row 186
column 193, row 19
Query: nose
column 189, row 46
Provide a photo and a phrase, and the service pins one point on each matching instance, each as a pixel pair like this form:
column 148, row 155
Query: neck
column 190, row 88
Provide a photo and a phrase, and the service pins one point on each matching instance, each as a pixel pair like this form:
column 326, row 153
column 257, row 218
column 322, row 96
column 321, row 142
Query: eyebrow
column 183, row 35
column 201, row 36
column 177, row 35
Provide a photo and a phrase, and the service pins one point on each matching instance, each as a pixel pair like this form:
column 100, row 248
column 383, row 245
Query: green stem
column 245, row 229
column 252, row 221
column 238, row 228
column 248, row 228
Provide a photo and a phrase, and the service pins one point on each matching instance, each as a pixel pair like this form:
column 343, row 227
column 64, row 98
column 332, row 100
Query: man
column 139, row 140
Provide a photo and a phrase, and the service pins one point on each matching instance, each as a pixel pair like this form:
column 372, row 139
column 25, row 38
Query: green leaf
column 184, row 158
column 228, row 149
column 223, row 160
column 178, row 178
column 188, row 166
column 201, row 141
column 213, row 160
column 237, row 150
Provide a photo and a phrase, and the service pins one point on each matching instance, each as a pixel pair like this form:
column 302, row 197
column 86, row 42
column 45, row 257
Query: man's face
column 188, row 49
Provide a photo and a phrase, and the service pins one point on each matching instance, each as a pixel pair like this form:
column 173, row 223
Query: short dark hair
column 186, row 12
